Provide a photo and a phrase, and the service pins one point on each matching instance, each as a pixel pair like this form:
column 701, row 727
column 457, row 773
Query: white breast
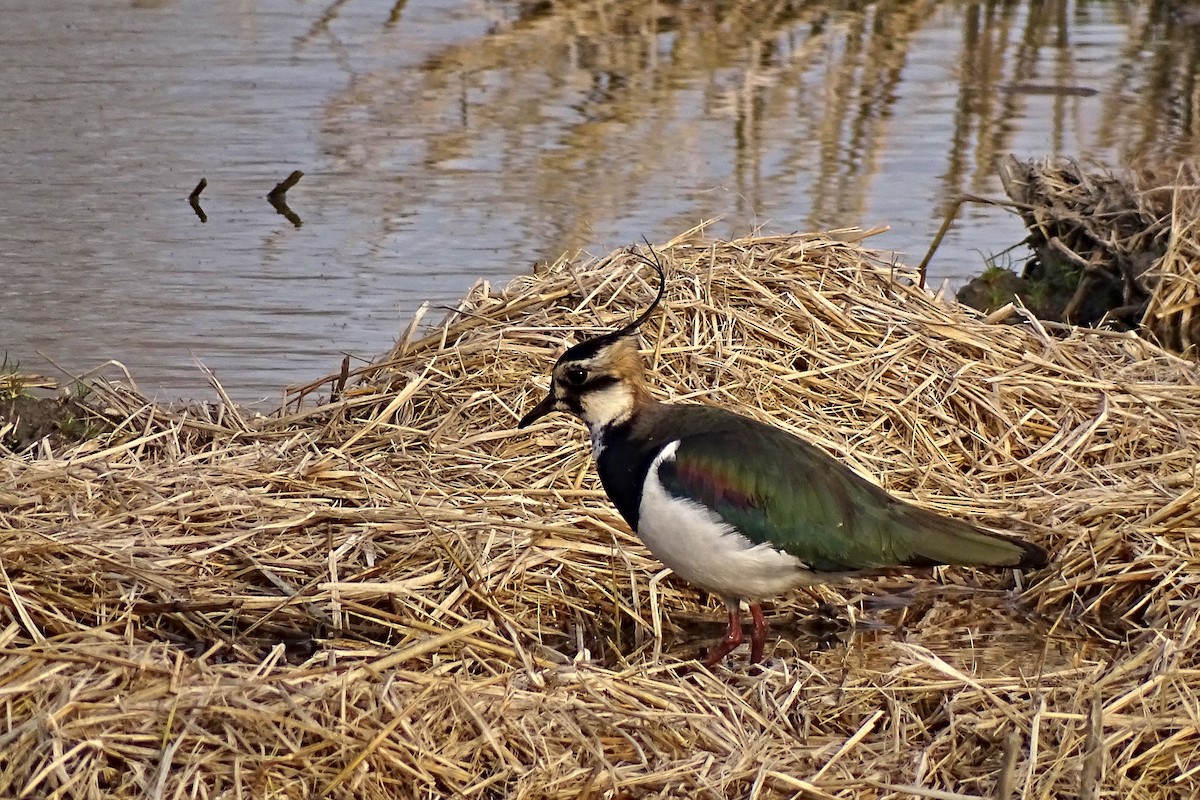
column 702, row 548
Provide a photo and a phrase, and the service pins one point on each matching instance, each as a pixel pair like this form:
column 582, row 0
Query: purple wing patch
column 706, row 481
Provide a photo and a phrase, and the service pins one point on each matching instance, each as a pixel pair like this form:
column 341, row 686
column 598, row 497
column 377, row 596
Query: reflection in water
column 277, row 197
column 444, row 141
column 980, row 631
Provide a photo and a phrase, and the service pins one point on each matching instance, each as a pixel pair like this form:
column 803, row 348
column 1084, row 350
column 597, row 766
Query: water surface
column 444, row 141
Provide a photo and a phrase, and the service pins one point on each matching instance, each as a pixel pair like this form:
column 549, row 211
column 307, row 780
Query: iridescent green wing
column 775, row 488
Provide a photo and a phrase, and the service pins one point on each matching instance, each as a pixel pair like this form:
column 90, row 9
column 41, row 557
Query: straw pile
column 1120, row 252
column 1173, row 312
column 396, row 594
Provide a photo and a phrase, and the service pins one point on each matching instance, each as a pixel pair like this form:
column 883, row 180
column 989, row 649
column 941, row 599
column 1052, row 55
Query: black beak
column 540, row 410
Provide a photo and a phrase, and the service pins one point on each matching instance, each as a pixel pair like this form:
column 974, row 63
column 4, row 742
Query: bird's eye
column 575, row 376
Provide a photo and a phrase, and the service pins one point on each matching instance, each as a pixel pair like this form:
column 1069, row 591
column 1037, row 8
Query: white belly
column 704, row 549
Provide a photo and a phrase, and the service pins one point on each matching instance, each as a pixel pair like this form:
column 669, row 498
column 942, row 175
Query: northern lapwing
column 737, row 507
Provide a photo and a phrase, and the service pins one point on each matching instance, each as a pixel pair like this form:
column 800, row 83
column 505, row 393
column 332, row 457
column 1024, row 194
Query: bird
column 742, row 509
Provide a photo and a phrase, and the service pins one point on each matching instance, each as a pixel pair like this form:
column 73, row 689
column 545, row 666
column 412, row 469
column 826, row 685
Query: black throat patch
column 623, row 464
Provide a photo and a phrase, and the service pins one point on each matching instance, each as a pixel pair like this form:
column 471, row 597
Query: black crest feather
column 651, row 261
column 590, row 347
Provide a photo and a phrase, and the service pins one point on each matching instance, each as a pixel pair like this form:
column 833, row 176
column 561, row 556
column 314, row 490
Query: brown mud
column 26, row 419
column 1108, row 251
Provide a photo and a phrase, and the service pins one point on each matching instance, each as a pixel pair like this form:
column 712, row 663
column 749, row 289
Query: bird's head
column 602, row 380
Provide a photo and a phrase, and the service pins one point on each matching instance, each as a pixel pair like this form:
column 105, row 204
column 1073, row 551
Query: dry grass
column 396, row 594
column 1122, row 251
column 1173, row 313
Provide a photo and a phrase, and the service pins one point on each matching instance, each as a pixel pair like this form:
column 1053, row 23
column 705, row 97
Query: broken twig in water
column 194, row 199
column 276, row 197
column 281, row 188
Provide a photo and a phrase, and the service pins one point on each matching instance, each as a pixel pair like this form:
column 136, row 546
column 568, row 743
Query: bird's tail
column 936, row 540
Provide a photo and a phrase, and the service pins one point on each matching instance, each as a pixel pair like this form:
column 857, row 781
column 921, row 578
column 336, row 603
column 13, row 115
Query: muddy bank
column 1118, row 252
column 26, row 419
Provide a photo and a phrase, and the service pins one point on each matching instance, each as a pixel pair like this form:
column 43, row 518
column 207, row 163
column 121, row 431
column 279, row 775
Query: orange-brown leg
column 732, row 638
column 758, row 635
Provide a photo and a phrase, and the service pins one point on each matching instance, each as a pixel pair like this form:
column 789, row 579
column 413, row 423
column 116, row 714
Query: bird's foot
column 730, row 642
column 758, row 635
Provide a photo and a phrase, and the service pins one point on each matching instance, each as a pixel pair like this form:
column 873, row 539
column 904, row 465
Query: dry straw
column 1131, row 243
column 396, row 594
column 1173, row 313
